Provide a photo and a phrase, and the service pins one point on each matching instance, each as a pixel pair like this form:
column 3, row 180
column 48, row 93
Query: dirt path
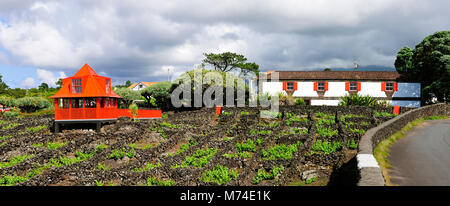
column 422, row 156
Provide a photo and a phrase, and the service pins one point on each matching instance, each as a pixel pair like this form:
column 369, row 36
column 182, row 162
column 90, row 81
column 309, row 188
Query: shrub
column 280, row 151
column 128, row 96
column 325, row 146
column 134, row 110
column 266, row 176
column 199, row 159
column 7, row 101
column 358, row 100
column 153, row 181
column 219, row 175
column 11, row 114
column 31, row 104
column 300, row 101
column 160, row 92
column 37, row 128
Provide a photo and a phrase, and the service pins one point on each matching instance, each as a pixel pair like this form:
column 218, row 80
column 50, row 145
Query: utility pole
column 168, row 74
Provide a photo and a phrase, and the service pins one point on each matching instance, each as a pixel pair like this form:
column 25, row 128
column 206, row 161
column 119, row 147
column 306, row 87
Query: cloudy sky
column 41, row 41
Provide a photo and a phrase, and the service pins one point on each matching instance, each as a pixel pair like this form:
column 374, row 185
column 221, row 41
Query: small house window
column 90, row 103
column 66, row 103
column 77, row 103
column 389, row 86
column 290, row 86
column 76, row 85
column 353, row 86
column 321, row 86
column 140, row 86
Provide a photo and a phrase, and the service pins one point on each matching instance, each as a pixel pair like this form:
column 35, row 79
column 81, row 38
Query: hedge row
column 26, row 104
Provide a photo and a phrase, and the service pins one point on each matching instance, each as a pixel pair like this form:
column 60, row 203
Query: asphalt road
column 422, row 156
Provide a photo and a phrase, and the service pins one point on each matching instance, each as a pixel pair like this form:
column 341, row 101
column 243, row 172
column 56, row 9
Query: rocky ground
column 296, row 147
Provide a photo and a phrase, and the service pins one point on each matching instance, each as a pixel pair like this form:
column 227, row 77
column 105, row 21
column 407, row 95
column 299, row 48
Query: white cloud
column 28, row 82
column 48, row 77
column 116, row 37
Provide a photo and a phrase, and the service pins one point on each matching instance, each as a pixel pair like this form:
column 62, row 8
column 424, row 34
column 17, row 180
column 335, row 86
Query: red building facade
column 86, row 96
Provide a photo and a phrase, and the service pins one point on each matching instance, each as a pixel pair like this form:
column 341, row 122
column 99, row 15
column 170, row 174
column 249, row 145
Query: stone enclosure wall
column 370, row 171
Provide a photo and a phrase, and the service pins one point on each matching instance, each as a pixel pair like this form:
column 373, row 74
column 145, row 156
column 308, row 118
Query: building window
column 76, row 85
column 140, row 86
column 90, row 103
column 66, row 103
column 321, row 86
column 353, row 86
column 77, row 103
column 389, row 86
column 290, row 86
column 108, row 86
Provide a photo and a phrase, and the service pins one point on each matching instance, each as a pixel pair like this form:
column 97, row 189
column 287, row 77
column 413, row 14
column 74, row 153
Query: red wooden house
column 88, row 97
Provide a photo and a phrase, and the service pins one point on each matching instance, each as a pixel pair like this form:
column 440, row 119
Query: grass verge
column 381, row 152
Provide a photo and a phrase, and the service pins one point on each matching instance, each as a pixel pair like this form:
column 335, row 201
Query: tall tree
column 403, row 63
column 229, row 61
column 3, row 86
column 430, row 65
column 128, row 83
column 43, row 86
column 59, row 83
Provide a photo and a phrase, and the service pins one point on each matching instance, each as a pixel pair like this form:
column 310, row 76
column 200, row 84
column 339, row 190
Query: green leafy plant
column 326, row 131
column 352, row 144
column 15, row 160
column 102, row 167
column 148, row 166
column 220, row 175
column 152, row 181
column 37, row 128
column 311, row 180
column 358, row 100
column 244, row 113
column 165, row 124
column 10, row 125
column 5, row 137
column 199, row 159
column 325, row 147
column 280, row 151
column 55, row 145
column 357, row 131
column 37, row 145
column 384, row 114
column 263, row 175
column 184, row 147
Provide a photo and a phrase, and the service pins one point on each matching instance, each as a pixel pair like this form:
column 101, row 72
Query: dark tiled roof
column 336, row 75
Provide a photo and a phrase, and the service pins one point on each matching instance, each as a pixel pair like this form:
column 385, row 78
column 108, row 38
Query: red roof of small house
column 92, row 85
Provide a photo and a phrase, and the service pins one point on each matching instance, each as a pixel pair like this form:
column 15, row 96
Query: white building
column 327, row 87
column 140, row 85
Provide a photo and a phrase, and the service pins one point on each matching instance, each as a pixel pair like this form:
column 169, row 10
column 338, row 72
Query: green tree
column 229, row 61
column 58, row 83
column 237, row 88
column 43, row 87
column 3, row 86
column 430, row 65
column 403, row 63
column 128, row 96
column 160, row 92
column 128, row 83
column 327, row 69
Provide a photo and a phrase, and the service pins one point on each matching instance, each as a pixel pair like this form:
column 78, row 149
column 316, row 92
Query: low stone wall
column 370, row 171
column 314, row 109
